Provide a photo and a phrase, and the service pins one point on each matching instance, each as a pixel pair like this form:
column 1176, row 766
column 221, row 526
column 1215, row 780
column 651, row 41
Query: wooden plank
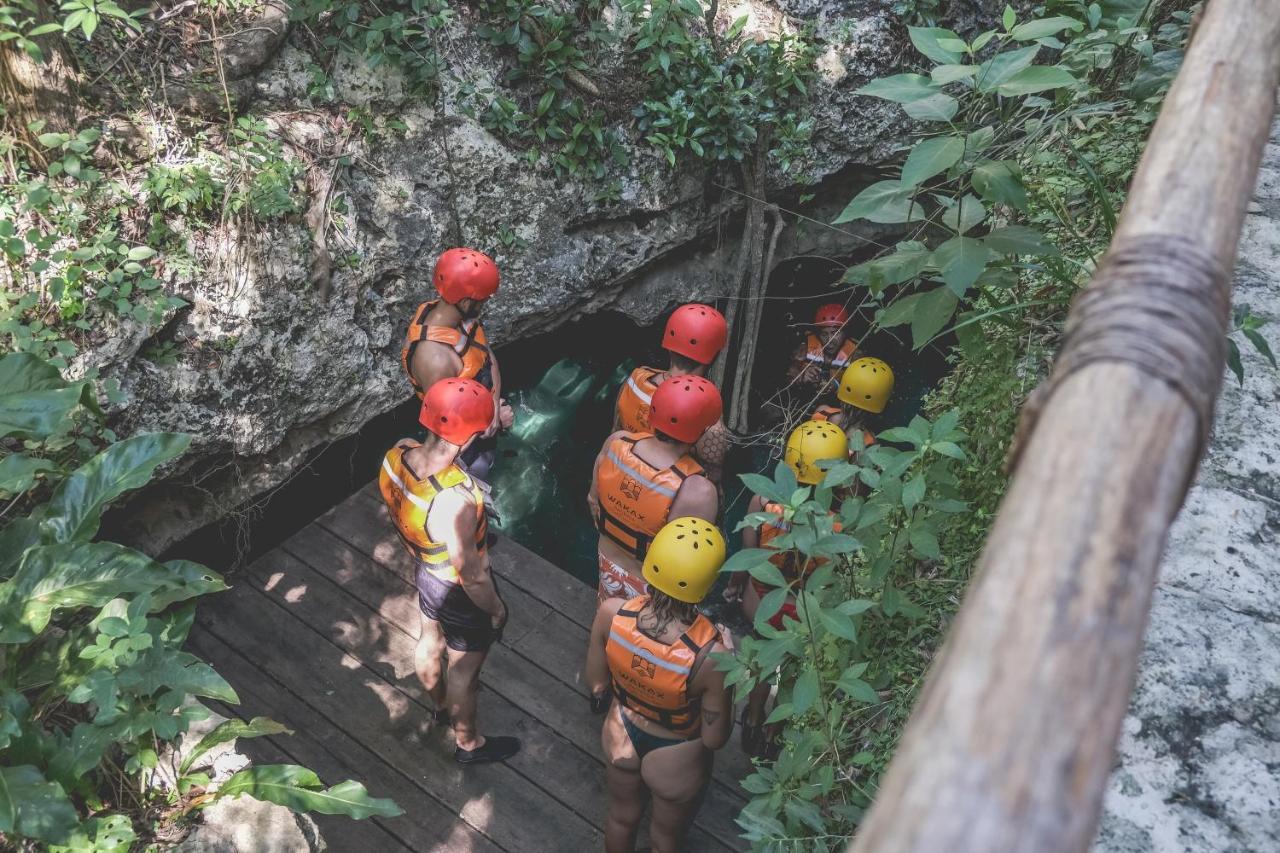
column 426, row 825
column 1013, row 738
column 511, row 686
column 553, row 643
column 494, row 799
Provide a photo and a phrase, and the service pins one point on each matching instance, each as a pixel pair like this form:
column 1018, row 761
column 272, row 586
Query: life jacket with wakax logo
column 635, row 397
column 409, row 500
column 635, row 497
column 816, row 354
column 469, row 343
column 826, row 413
column 651, row 678
column 793, row 565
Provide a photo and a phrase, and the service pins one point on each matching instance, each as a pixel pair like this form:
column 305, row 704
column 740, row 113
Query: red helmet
column 684, row 407
column 457, row 409
column 465, row 273
column 697, row 332
column 831, row 315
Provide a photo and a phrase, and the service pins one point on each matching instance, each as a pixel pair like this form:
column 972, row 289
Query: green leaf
column 1032, row 30
column 926, row 41
column 764, row 487
column 228, row 731
column 900, row 88
column 909, row 259
column 1002, row 66
column 781, row 712
column 948, row 448
column 21, row 371
column 18, row 472
column 743, row 560
column 1038, row 78
column 141, row 253
column 299, row 789
column 1009, row 18
column 965, row 215
column 767, row 573
column 805, row 692
column 74, row 511
column 1259, row 343
column 1233, row 361
column 854, row 606
column 925, row 543
column 859, row 690
column 904, row 435
column 913, row 492
column 769, row 606
column 1018, row 240
column 885, row 202
column 838, row 623
column 999, row 181
column 33, row 807
column 961, row 260
column 944, row 74
column 110, row 834
column 931, row 313
column 933, row 108
column 931, row 157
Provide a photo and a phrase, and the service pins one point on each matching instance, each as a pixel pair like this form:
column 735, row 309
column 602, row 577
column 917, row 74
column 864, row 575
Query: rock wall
column 1199, row 764
column 268, row 370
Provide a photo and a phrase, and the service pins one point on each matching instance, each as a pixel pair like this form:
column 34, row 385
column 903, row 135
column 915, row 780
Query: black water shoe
column 498, row 748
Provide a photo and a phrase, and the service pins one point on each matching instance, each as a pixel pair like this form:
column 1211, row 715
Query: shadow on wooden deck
column 319, row 634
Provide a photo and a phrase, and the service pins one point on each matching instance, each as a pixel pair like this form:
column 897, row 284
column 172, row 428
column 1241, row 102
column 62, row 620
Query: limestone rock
column 246, row 825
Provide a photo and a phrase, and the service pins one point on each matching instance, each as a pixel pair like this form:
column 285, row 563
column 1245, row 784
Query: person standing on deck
column 438, row 511
column 863, row 392
column 446, row 340
column 653, row 653
column 825, row 352
column 641, row 479
column 809, row 444
column 694, row 336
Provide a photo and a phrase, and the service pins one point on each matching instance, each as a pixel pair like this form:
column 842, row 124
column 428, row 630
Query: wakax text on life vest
column 471, row 345
column 635, row 497
column 409, row 501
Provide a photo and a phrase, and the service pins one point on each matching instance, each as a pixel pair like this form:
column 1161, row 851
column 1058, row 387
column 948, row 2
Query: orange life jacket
column 826, row 413
column 816, row 354
column 652, row 679
column 469, row 343
column 635, row 497
column 634, row 399
column 409, row 501
column 793, row 565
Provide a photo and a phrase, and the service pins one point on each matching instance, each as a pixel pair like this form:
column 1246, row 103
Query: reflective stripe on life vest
column 635, row 397
column 650, row 678
column 815, row 353
column 469, row 342
column 409, row 501
column 635, row 497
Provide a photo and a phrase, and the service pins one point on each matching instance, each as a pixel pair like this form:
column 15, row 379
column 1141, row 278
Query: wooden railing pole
column 1013, row 737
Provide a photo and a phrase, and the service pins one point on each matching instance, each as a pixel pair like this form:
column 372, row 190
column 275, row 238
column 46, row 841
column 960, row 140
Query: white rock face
column 1199, row 766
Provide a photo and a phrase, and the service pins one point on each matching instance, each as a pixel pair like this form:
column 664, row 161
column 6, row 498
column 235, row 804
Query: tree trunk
column 32, row 90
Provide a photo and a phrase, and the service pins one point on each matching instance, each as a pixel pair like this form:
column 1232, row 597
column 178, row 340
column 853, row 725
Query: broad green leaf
column 22, row 371
column 1002, row 66
column 768, row 574
column 944, row 74
column 75, row 509
column 781, row 712
column 18, row 472
column 961, row 260
column 805, row 691
column 743, row 560
column 110, row 834
column 764, row 487
column 181, row 672
column 838, row 623
column 786, row 481
column 835, row 544
column 1260, row 344
column 926, row 41
column 932, row 313
column 899, row 312
column 37, row 414
column 1032, row 30
column 1234, row 362
column 948, row 448
column 186, row 580
column 1009, row 18
column 1018, row 240
column 15, row 538
column 769, row 606
column 299, row 789
column 1038, row 78
column 909, row 259
column 34, row 807
column 931, row 157
column 900, row 88
column 925, row 543
column 229, row 731
column 854, row 606
column 913, row 492
column 859, row 689
column 903, row 435
column 933, row 108
column 70, row 576
column 885, row 202
column 999, row 181
column 965, row 215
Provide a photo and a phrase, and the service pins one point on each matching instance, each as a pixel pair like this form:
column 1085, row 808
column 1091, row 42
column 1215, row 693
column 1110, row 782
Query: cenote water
column 562, row 386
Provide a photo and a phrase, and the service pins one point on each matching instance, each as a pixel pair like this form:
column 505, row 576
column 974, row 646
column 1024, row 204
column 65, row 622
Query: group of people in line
column 655, row 498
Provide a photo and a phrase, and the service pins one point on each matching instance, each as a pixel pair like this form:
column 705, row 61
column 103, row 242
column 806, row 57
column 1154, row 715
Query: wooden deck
column 319, row 634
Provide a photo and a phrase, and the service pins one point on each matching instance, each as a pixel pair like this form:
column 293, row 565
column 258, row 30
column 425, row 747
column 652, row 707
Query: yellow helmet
column 684, row 558
column 866, row 384
column 809, row 444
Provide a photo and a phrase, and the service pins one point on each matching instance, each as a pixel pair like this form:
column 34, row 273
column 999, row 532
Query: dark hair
column 685, row 364
column 663, row 610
